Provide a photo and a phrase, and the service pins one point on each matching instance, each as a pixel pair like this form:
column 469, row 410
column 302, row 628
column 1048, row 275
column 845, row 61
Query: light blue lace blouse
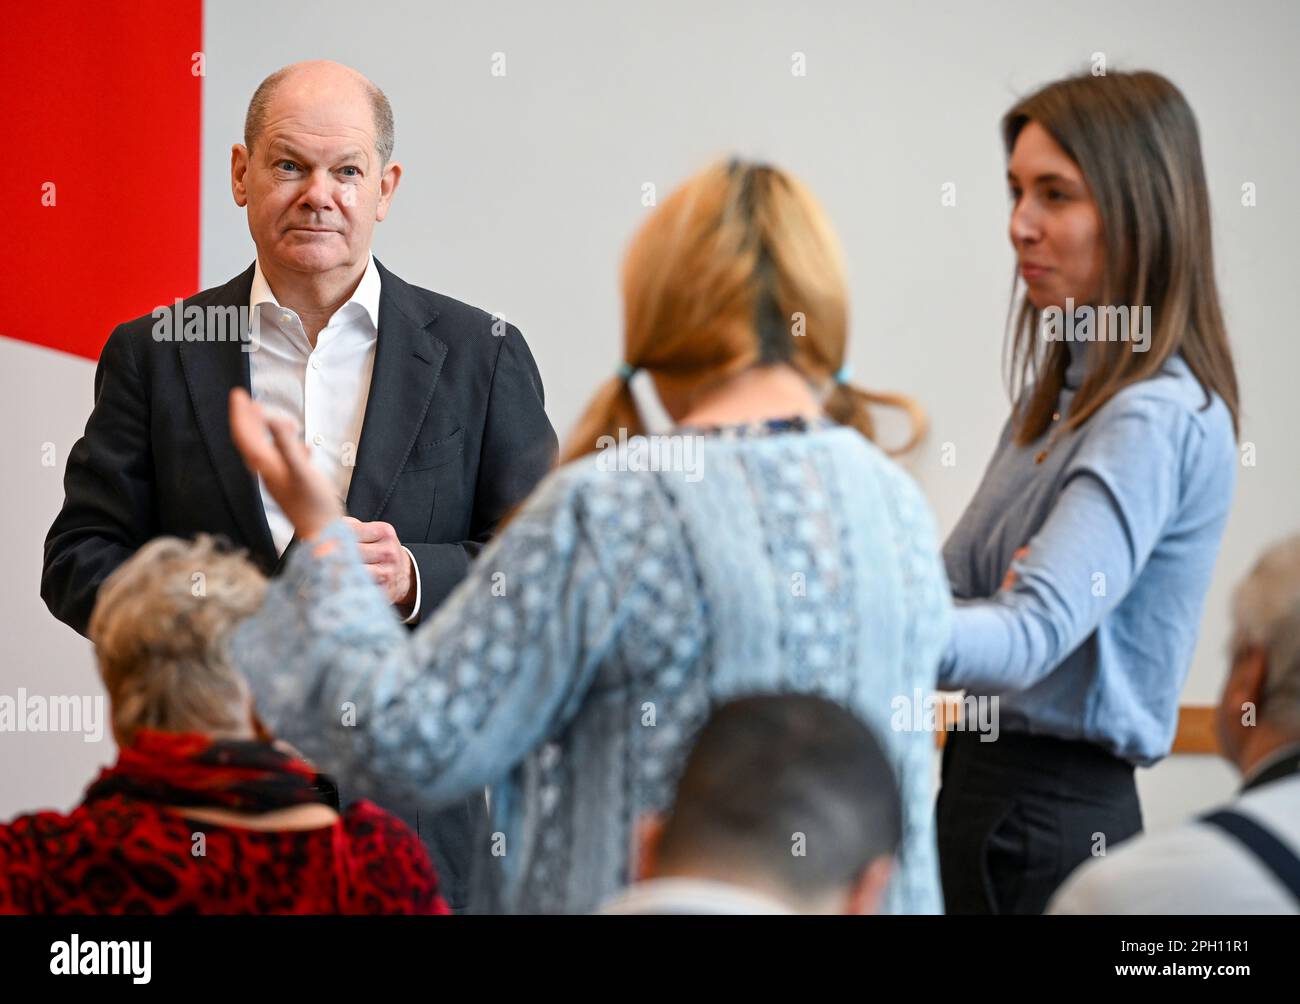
column 573, row 666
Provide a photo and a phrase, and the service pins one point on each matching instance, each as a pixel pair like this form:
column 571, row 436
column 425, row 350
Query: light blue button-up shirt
column 1123, row 519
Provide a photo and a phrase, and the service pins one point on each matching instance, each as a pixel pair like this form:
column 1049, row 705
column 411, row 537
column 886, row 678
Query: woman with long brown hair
column 1081, row 565
column 766, row 545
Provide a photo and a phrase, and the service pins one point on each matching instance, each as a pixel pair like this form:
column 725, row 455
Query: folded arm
column 1117, row 498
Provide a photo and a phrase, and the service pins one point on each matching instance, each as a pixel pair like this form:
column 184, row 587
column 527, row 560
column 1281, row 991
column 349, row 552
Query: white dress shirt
column 691, row 896
column 324, row 389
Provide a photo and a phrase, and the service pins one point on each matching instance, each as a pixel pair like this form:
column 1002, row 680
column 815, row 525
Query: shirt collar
column 366, row 295
column 690, row 895
column 1077, row 368
column 1278, row 764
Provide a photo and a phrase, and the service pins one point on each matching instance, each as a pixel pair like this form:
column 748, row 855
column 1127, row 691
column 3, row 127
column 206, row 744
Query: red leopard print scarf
column 191, row 769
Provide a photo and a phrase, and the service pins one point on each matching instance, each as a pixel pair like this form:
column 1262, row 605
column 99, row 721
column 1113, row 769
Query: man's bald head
column 322, row 73
column 315, row 174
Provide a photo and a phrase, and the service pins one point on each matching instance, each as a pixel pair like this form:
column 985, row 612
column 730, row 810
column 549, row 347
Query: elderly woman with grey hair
column 1243, row 857
column 202, row 812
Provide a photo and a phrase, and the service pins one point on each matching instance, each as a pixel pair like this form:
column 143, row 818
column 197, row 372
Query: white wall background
column 520, row 193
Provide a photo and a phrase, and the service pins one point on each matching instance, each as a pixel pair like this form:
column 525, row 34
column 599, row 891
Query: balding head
column 322, row 79
column 316, row 176
column 1266, row 617
column 1259, row 710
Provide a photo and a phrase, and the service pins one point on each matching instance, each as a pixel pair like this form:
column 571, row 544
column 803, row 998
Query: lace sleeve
column 452, row 706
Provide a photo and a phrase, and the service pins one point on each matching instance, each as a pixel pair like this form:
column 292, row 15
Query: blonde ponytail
column 612, row 408
column 851, row 406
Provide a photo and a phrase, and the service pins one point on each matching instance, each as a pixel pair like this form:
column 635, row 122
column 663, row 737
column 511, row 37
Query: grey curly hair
column 160, row 627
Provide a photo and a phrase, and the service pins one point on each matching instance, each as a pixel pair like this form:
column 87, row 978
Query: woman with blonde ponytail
column 765, row 545
column 705, row 287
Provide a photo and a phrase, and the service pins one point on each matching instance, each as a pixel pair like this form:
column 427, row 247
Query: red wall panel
column 100, row 99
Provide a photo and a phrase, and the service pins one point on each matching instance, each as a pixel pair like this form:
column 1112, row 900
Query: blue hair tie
column 625, row 371
column 844, row 374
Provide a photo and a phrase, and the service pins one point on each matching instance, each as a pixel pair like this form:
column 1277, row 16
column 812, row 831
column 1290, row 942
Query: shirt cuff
column 415, row 607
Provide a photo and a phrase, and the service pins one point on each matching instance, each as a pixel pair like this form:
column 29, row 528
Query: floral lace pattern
column 572, row 668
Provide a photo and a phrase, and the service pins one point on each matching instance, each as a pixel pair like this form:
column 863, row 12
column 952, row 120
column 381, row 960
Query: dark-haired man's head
column 789, row 796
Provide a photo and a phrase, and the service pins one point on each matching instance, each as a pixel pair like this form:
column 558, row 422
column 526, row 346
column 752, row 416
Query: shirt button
column 318, row 439
column 286, row 316
column 315, row 363
column 1056, row 416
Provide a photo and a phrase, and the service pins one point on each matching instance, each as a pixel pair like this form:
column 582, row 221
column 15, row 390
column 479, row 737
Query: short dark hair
column 255, row 118
column 766, row 768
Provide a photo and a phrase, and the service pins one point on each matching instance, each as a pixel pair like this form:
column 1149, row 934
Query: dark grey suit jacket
column 454, row 436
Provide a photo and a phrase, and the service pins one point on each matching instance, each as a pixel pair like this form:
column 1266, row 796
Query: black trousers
column 1015, row 816
column 450, row 836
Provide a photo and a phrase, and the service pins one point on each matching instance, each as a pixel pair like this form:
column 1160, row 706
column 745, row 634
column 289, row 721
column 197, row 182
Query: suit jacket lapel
column 212, row 369
column 408, row 361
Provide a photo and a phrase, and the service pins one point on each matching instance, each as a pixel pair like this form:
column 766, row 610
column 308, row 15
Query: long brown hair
column 738, row 267
column 1134, row 138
